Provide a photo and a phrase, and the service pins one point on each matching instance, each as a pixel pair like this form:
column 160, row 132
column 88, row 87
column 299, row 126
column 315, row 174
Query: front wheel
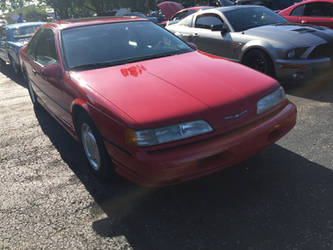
column 93, row 147
column 260, row 61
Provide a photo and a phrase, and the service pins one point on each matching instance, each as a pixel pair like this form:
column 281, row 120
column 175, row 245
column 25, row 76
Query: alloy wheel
column 90, row 146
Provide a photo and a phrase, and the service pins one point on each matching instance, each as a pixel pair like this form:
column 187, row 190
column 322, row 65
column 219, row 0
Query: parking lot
column 279, row 199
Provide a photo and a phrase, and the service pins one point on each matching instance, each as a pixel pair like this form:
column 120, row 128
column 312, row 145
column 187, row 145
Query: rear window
column 24, row 32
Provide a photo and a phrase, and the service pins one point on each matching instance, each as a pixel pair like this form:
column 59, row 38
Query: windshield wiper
column 128, row 60
column 93, row 65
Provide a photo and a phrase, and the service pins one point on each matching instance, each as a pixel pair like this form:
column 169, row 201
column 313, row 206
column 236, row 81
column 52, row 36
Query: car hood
column 169, row 8
column 292, row 34
column 181, row 88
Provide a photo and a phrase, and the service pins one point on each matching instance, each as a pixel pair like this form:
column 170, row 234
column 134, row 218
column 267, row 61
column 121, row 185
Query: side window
column 180, row 15
column 318, row 9
column 298, row 11
column 32, row 45
column 187, row 21
column 46, row 52
column 207, row 21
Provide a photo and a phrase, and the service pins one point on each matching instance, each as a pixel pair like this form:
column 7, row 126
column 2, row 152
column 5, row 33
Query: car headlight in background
column 150, row 137
column 271, row 100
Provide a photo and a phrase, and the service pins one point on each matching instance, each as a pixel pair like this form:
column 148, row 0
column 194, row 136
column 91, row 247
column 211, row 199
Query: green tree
column 32, row 13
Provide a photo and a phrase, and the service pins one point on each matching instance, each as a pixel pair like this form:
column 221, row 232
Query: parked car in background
column 259, row 38
column 139, row 14
column 3, row 22
column 169, row 8
column 174, row 12
column 163, row 112
column 272, row 4
column 315, row 12
column 12, row 38
column 184, row 13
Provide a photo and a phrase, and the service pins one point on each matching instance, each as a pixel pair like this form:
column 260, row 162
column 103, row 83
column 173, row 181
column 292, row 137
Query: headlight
column 296, row 53
column 150, row 137
column 291, row 53
column 271, row 100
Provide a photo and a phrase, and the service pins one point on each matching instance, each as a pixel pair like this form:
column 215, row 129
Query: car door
column 296, row 14
column 318, row 13
column 45, row 54
column 213, row 42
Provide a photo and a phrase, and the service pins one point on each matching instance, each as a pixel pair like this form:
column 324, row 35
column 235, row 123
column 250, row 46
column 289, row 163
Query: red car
column 145, row 103
column 315, row 12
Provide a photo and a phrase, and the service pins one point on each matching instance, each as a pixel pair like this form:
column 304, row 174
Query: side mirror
column 52, row 72
column 192, row 45
column 220, row 27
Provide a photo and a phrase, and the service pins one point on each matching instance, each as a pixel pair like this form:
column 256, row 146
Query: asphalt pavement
column 282, row 198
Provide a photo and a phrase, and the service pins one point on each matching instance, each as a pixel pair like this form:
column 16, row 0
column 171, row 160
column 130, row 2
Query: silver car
column 259, row 38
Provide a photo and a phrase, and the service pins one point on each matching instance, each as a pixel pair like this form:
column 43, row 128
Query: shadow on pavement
column 275, row 200
column 319, row 87
column 8, row 72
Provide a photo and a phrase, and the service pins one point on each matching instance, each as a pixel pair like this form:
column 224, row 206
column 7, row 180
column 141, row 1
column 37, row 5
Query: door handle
column 195, row 34
column 304, row 21
column 34, row 71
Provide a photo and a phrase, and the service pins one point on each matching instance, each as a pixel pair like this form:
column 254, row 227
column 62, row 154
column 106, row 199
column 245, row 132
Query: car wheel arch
column 258, row 47
column 78, row 108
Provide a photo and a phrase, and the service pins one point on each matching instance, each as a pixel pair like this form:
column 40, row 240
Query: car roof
column 197, row 8
column 70, row 23
column 18, row 25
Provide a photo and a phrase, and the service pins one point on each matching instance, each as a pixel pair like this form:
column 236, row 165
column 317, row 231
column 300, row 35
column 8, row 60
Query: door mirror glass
column 220, row 27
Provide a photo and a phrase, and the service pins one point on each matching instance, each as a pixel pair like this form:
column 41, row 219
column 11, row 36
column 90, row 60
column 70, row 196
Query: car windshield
column 118, row 43
column 24, row 32
column 250, row 17
column 226, row 3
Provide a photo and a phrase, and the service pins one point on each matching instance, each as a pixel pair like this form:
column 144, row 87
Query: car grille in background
column 324, row 50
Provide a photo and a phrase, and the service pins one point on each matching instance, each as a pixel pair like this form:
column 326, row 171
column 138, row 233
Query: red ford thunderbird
column 144, row 103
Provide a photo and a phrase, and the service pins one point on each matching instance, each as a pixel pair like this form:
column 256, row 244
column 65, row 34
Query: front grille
column 323, row 50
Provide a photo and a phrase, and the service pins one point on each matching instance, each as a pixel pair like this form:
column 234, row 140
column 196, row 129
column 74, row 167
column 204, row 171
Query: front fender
column 258, row 44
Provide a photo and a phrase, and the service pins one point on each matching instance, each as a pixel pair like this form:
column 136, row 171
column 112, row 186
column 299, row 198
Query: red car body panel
column 169, row 8
column 320, row 21
column 162, row 92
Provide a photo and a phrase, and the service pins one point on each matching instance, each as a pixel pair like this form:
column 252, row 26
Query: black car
column 272, row 4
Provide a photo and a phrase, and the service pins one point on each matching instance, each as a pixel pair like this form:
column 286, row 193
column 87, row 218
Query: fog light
column 298, row 76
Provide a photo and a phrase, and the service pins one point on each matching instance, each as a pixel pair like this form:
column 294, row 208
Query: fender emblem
column 236, row 115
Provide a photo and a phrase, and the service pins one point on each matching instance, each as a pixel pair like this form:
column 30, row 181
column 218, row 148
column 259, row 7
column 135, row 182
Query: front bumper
column 299, row 69
column 179, row 164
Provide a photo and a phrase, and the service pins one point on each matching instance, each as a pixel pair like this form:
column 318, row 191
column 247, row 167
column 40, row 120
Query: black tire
column 14, row 66
column 102, row 167
column 32, row 95
column 260, row 61
column 2, row 65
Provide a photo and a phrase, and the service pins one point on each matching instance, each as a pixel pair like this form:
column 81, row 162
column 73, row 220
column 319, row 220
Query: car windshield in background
column 247, row 18
column 110, row 44
column 25, row 32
